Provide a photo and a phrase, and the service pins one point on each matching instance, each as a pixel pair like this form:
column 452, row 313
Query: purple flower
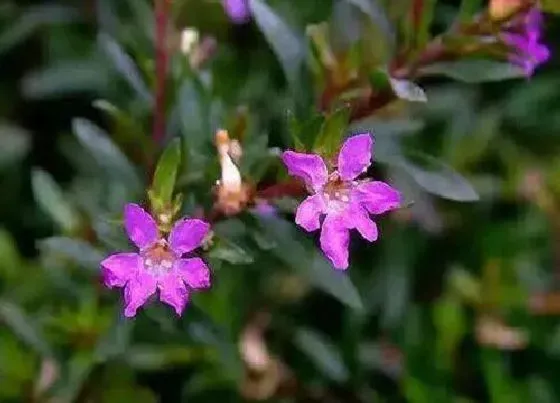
column 159, row 264
column 344, row 200
column 526, row 50
column 237, row 10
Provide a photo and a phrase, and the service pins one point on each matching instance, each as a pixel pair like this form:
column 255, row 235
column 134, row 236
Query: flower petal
column 187, row 234
column 140, row 226
column 173, row 292
column 237, row 10
column 137, row 291
column 376, row 197
column 117, row 269
column 194, row 272
column 309, row 212
column 355, row 156
column 309, row 167
column 335, row 240
column 357, row 217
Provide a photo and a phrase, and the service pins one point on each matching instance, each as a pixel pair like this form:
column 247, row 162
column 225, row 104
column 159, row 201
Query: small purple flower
column 237, row 10
column 264, row 208
column 526, row 50
column 159, row 265
column 344, row 200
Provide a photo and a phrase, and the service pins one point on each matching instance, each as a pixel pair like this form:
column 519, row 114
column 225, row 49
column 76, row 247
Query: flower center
column 337, row 193
column 158, row 259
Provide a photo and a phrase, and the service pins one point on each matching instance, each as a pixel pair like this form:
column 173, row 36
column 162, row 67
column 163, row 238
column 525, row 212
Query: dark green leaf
column 378, row 16
column 287, row 46
column 323, row 353
column 76, row 374
column 125, row 65
column 332, row 132
column 53, row 201
column 14, row 143
column 436, row 177
column 426, row 18
column 115, row 342
column 166, row 173
column 78, row 251
column 31, row 19
column 107, row 155
column 305, row 259
column 230, row 252
column 65, row 78
column 158, row 357
column 24, row 328
column 475, row 71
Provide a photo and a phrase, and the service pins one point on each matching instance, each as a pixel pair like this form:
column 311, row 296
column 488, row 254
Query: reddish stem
column 162, row 56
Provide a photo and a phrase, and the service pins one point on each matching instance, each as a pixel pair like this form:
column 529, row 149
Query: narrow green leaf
column 52, row 200
column 304, row 258
column 166, row 173
column 230, row 252
column 76, row 374
column 287, row 46
column 408, row 90
column 77, row 251
column 304, row 133
column 24, row 328
column 105, row 152
column 323, row 353
column 468, row 9
column 378, row 16
column 30, row 20
column 475, row 70
column 115, row 342
column 423, row 34
column 449, row 320
column 332, row 132
column 437, row 178
column 65, row 78
column 550, row 6
column 126, row 66
column 14, row 143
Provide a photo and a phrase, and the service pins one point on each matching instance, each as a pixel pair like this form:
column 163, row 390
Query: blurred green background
column 457, row 301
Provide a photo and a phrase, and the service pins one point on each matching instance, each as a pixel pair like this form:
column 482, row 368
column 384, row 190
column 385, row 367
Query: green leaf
column 378, row 16
column 30, row 20
column 304, row 133
column 105, row 152
column 24, row 328
column 304, row 258
column 14, row 143
column 115, row 342
column 158, row 357
column 65, row 78
column 468, row 9
column 125, row 65
column 332, row 132
column 423, row 33
column 408, row 90
column 449, row 320
column 287, row 46
column 475, row 70
column 78, row 251
column 323, row 353
column 437, row 178
column 230, row 252
column 77, row 371
column 52, row 200
column 166, row 173
column 550, row 6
